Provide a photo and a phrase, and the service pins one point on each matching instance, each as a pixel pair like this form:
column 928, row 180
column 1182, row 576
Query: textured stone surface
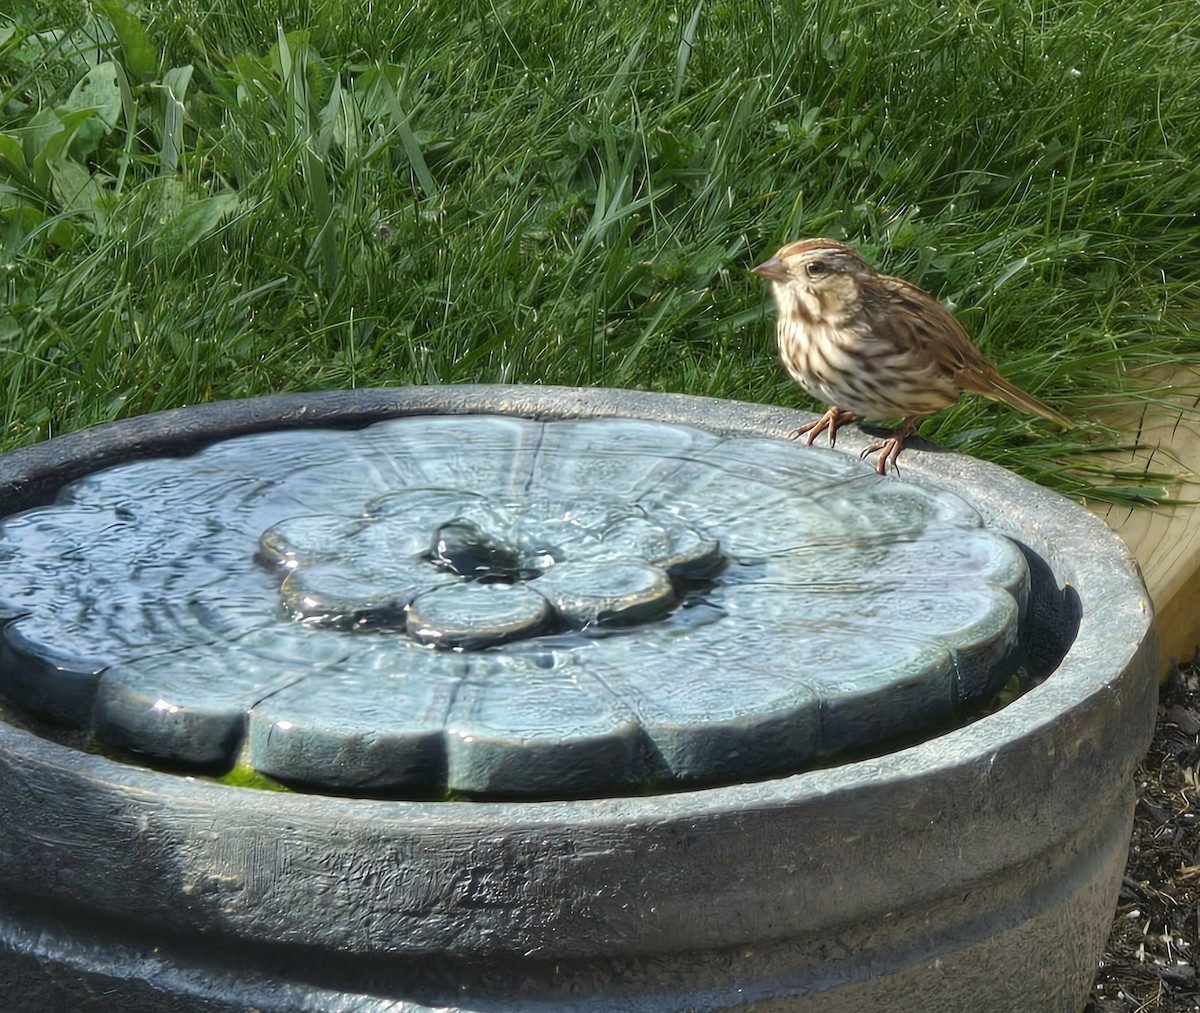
column 976, row 870
column 596, row 606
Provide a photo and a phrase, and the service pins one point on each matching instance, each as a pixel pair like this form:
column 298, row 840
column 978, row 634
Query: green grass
column 308, row 195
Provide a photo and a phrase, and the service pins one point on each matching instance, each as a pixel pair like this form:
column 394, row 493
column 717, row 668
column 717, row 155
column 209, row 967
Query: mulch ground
column 1149, row 964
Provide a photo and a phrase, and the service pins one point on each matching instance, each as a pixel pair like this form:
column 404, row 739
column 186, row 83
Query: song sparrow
column 875, row 346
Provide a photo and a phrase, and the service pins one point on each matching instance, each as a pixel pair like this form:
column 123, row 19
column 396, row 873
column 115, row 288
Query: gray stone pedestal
column 974, row 870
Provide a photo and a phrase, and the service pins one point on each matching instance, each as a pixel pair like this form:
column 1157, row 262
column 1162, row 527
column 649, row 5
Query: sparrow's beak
column 773, row 269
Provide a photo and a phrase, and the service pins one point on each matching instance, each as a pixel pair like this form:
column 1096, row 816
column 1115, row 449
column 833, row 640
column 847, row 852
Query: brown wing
column 923, row 325
column 944, row 338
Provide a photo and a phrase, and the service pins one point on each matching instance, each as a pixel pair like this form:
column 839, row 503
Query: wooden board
column 1166, row 539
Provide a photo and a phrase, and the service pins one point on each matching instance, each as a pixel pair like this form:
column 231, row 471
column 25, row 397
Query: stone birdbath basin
column 588, row 700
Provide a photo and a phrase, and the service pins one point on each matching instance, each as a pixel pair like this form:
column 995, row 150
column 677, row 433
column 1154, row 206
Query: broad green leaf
column 15, row 224
column 41, row 129
column 197, row 220
column 174, row 86
column 140, row 58
column 369, row 93
column 64, row 232
column 54, row 142
column 12, row 158
column 166, row 196
column 74, row 187
column 283, row 53
column 408, row 139
column 98, row 93
column 128, row 102
column 338, row 123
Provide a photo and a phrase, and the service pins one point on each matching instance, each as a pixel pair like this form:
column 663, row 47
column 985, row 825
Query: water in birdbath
column 491, row 606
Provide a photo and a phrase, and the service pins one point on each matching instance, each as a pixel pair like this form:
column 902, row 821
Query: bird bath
column 637, row 706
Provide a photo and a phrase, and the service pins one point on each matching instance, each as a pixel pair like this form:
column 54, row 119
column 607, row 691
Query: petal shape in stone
column 487, row 454
column 43, row 677
column 733, row 706
column 328, row 595
column 624, row 457
column 308, row 538
column 536, row 723
column 665, row 541
column 373, row 722
column 620, row 591
column 191, row 706
column 472, row 615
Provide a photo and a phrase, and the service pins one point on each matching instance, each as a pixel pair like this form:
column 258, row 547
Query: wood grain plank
column 1166, row 539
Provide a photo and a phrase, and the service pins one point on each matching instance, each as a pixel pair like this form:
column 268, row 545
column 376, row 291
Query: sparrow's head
column 818, row 278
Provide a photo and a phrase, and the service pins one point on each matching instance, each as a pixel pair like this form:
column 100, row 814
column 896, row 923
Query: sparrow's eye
column 816, row 269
